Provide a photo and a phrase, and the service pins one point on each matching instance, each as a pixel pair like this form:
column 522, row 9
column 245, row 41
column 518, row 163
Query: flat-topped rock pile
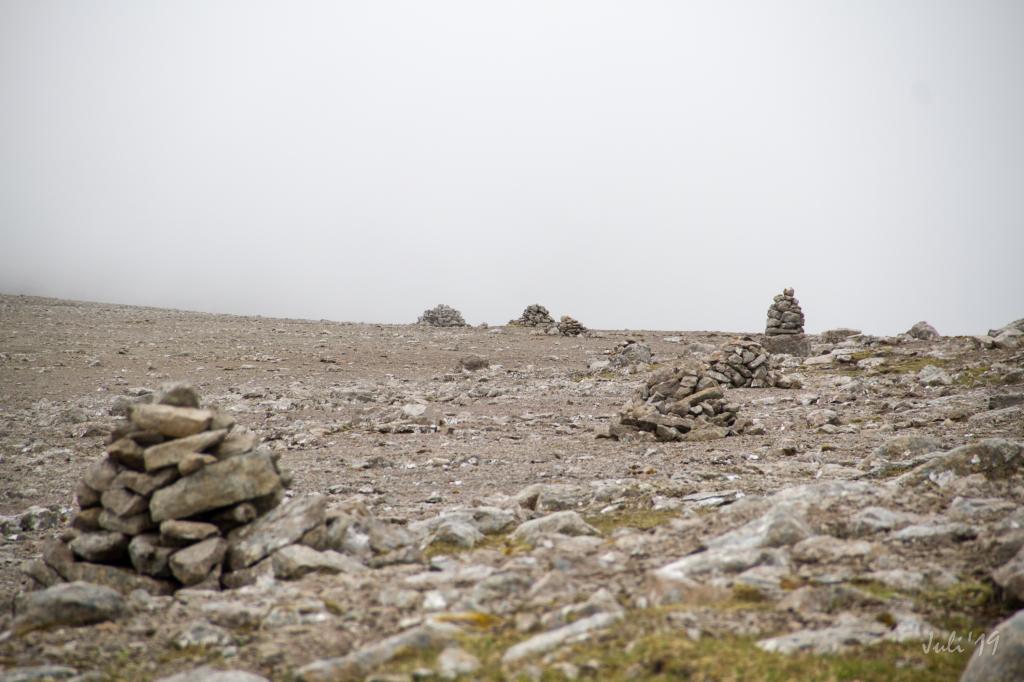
column 743, row 362
column 180, row 499
column 534, row 315
column 568, row 326
column 679, row 403
column 785, row 315
column 442, row 315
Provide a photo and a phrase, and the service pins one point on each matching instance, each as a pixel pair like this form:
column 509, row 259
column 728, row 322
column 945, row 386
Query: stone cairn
column 629, row 353
column 568, row 326
column 534, row 315
column 442, row 315
column 743, row 362
column 785, row 315
column 679, row 403
column 180, row 499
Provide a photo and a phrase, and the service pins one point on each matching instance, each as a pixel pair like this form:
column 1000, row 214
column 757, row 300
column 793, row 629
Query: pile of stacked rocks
column 743, row 362
column 442, row 315
column 180, row 499
column 679, row 403
column 785, row 315
column 629, row 353
column 534, row 315
column 568, row 326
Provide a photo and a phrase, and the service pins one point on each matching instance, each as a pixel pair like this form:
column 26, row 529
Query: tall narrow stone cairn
column 785, row 315
column 743, row 362
column 442, row 315
column 179, row 499
column 534, row 315
column 568, row 326
column 679, row 403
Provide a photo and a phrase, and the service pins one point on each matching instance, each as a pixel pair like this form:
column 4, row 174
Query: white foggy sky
column 666, row 165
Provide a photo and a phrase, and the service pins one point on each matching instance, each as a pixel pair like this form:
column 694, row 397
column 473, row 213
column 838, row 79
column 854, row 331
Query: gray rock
column 999, row 402
column 201, row 634
column 454, row 662
column 474, row 362
column 563, row 522
column 1010, row 576
column 456, row 532
column 38, row 673
column 144, row 484
column 175, row 533
column 193, row 564
column 830, row 640
column 930, row 375
column 784, row 525
column 547, row 641
column 70, row 604
column 923, row 331
column 1000, row 656
column 208, row 674
column 101, row 474
column 234, row 480
column 129, row 525
column 122, row 580
column 175, row 422
column 173, row 452
column 876, row 519
column 123, row 502
column 148, row 557
column 282, row 526
column 674, row 582
column 101, row 546
column 355, row 665
column 994, row 458
column 177, row 394
column 295, row 561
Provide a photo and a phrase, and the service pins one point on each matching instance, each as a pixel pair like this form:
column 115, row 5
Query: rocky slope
column 478, row 523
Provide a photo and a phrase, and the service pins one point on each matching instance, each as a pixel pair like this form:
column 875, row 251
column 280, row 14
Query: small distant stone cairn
column 534, row 315
column 785, row 315
column 442, row 315
column 679, row 403
column 743, row 362
column 629, row 353
column 180, row 499
column 568, row 326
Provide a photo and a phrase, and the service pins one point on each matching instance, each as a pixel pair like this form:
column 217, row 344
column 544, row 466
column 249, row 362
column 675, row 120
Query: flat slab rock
column 69, row 604
column 282, row 526
column 234, row 480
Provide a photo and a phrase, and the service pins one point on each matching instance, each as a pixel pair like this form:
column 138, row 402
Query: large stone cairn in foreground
column 442, row 315
column 785, row 315
column 743, row 362
column 568, row 326
column 534, row 315
column 679, row 403
column 180, row 499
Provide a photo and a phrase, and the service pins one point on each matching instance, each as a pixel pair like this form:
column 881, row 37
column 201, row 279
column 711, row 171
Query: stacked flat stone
column 629, row 353
column 534, row 315
column 180, row 499
column 785, row 315
column 442, row 315
column 568, row 326
column 742, row 362
column 679, row 403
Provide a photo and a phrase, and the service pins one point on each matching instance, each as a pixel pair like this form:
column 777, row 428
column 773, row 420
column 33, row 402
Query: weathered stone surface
column 547, row 641
column 85, row 496
column 179, row 533
column 177, row 394
column 123, row 502
column 127, row 452
column 562, row 522
column 357, row 664
column 1001, row 655
column 101, row 546
column 39, row 673
column 193, row 462
column 120, row 579
column 237, row 442
column 101, row 475
column 40, row 574
column 295, row 561
column 87, row 519
column 1010, row 576
column 282, row 526
column 173, row 451
column 71, row 604
column 129, row 525
column 144, row 484
column 148, row 557
column 175, row 422
column 994, row 458
column 208, row 674
column 236, row 516
column 192, row 564
column 923, row 331
column 260, row 572
column 222, row 484
column 58, row 556
column 455, row 662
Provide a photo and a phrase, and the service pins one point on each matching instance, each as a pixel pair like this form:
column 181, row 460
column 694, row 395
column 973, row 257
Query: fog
column 654, row 165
